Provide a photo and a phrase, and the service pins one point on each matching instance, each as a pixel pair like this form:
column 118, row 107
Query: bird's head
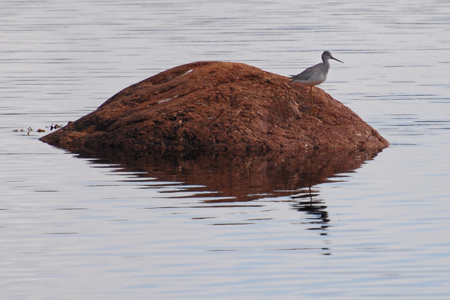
column 327, row 55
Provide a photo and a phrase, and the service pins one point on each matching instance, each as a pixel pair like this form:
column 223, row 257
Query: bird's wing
column 305, row 75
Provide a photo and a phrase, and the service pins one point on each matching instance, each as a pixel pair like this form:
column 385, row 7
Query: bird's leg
column 311, row 98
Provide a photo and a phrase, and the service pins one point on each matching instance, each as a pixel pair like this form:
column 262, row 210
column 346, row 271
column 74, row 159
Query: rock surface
column 218, row 108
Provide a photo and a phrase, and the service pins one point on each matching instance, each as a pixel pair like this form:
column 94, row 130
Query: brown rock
column 218, row 108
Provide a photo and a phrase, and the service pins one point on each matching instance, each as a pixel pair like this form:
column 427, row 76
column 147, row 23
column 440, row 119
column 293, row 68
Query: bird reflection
column 309, row 203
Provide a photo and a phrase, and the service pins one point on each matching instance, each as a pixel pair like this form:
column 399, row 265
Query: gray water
column 85, row 228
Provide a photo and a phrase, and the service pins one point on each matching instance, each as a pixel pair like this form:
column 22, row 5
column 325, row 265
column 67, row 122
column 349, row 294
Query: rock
column 218, row 108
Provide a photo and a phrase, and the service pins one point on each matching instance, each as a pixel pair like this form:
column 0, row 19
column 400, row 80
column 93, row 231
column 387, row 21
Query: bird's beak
column 337, row 59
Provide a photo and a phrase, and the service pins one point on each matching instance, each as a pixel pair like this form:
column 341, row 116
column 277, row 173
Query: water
column 74, row 227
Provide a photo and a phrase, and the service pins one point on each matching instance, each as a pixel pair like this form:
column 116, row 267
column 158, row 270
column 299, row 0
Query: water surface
column 74, row 227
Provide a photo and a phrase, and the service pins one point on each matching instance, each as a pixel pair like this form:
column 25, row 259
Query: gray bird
column 315, row 75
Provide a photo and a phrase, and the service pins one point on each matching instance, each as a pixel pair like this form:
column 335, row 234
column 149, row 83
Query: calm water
column 84, row 228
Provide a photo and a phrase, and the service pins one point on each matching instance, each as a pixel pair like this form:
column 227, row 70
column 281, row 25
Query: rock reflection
column 233, row 179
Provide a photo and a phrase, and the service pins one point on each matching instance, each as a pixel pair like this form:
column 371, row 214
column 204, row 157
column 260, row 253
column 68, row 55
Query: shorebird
column 315, row 75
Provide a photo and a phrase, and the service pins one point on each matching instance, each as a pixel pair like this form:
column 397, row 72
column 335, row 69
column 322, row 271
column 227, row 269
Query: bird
column 315, row 75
